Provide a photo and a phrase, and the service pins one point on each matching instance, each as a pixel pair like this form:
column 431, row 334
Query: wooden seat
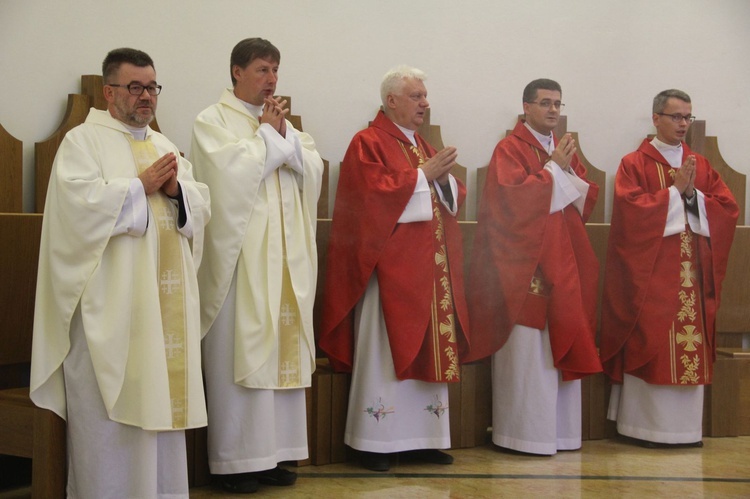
column 25, row 430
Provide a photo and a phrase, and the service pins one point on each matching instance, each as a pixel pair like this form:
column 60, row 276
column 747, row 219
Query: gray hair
column 394, row 80
column 660, row 101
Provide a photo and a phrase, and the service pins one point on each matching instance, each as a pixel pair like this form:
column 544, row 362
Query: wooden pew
column 25, row 430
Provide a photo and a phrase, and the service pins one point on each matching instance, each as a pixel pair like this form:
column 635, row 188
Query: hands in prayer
column 274, row 113
column 439, row 166
column 161, row 175
column 684, row 177
column 563, row 153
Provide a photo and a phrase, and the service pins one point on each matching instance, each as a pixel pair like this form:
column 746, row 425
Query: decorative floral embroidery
column 379, row 411
column 691, row 368
column 688, row 306
column 453, row 371
column 437, row 408
column 686, row 244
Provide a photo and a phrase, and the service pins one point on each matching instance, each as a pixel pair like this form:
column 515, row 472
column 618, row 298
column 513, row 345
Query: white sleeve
column 699, row 223
column 419, row 208
column 133, row 218
column 278, row 149
column 675, row 213
column 452, row 208
column 567, row 189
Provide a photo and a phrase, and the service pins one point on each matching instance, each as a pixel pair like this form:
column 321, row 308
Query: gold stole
column 290, row 329
column 688, row 356
column 442, row 328
column 171, row 280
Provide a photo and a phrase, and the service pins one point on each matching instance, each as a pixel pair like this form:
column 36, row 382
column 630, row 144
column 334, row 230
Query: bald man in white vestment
column 116, row 347
column 259, row 274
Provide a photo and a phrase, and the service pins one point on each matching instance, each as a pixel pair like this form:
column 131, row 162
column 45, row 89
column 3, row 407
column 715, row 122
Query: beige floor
column 603, row 468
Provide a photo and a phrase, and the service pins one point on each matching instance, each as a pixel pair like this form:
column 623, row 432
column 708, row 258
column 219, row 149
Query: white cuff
column 133, row 218
column 419, row 208
column 278, row 149
column 564, row 189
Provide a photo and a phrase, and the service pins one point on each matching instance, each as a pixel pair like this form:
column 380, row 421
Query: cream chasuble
column 121, row 282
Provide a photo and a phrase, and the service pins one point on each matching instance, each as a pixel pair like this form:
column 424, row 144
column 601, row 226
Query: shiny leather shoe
column 375, row 461
column 432, row 456
column 279, row 477
column 238, row 483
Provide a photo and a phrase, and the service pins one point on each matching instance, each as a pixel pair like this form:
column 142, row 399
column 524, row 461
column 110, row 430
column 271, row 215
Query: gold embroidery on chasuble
column 171, row 280
column 442, row 327
column 290, row 329
column 687, row 345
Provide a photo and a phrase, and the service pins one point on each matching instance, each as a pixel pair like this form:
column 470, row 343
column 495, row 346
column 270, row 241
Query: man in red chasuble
column 394, row 308
column 673, row 223
column 533, row 281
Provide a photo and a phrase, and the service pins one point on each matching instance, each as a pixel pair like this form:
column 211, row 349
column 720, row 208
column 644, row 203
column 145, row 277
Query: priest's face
column 133, row 110
column 256, row 81
column 407, row 106
column 542, row 114
column 667, row 130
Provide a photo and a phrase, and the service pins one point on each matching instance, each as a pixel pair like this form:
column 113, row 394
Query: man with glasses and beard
column 116, row 347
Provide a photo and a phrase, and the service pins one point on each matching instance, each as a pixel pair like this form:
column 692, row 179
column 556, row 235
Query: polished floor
column 603, row 468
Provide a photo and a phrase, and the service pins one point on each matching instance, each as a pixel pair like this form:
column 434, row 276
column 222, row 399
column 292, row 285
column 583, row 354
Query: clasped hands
column 684, row 177
column 274, row 113
column 439, row 166
column 161, row 175
column 564, row 151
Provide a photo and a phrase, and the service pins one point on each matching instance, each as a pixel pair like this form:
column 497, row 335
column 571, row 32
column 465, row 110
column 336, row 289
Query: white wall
column 611, row 57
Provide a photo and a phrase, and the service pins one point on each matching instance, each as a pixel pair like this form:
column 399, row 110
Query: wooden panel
column 11, row 173
column 743, row 425
column 734, row 311
column 44, row 151
column 339, row 406
column 709, row 147
column 49, row 473
column 16, row 423
column 19, row 255
column 320, row 444
column 721, row 401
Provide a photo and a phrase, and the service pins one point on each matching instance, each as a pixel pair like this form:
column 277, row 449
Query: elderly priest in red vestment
column 672, row 226
column 394, row 311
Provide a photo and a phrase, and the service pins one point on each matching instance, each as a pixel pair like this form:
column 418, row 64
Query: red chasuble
column 418, row 264
column 531, row 267
column 661, row 293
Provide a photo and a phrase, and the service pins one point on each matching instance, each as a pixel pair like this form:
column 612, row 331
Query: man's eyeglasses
column 546, row 104
column 677, row 118
column 137, row 88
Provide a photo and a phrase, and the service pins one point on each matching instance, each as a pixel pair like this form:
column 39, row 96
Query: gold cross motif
column 687, row 274
column 690, row 337
column 537, row 286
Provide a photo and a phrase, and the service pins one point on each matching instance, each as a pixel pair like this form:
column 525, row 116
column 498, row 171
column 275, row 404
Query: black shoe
column 661, row 445
column 276, row 476
column 432, row 456
column 375, row 461
column 238, row 483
